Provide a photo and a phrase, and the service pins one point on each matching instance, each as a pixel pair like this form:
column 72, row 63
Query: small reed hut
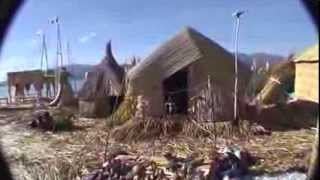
column 307, row 74
column 298, row 75
column 102, row 87
column 179, row 70
column 20, row 84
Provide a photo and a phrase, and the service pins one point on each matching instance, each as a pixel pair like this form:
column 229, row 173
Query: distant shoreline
column 3, row 83
column 4, row 87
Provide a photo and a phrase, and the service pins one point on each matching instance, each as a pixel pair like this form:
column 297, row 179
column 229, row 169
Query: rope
column 273, row 79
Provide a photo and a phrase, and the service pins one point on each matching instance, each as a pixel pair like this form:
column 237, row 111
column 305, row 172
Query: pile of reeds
column 279, row 82
column 150, row 128
column 147, row 128
column 124, row 112
column 205, row 129
column 215, row 130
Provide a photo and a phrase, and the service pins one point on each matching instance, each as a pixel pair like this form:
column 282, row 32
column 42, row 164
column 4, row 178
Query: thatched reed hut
column 298, row 75
column 179, row 69
column 102, row 87
column 20, row 84
column 307, row 74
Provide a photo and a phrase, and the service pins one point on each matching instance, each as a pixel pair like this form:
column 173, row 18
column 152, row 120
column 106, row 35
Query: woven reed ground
column 278, row 152
column 74, row 153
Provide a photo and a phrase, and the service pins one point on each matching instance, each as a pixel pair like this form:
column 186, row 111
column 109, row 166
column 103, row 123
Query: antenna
column 59, row 55
column 44, row 52
column 39, row 33
column 69, row 61
column 237, row 16
column 68, row 53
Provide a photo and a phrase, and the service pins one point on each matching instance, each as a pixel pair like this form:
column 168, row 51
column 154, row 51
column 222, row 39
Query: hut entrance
column 114, row 102
column 175, row 93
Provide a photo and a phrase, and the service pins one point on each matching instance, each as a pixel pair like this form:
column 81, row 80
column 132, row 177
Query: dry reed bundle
column 147, row 128
column 212, row 130
column 124, row 112
column 279, row 81
column 193, row 130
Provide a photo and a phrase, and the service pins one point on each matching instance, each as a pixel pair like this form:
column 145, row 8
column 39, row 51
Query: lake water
column 4, row 89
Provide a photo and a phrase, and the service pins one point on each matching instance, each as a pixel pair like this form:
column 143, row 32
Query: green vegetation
column 62, row 120
column 124, row 112
column 63, row 124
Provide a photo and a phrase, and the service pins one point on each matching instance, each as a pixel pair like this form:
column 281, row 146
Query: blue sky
column 136, row 27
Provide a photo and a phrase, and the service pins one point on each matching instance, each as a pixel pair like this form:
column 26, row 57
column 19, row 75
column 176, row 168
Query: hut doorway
column 114, row 102
column 176, row 93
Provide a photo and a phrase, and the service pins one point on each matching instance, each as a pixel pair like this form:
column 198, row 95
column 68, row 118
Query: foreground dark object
column 314, row 163
column 5, row 173
column 8, row 9
column 231, row 163
column 42, row 120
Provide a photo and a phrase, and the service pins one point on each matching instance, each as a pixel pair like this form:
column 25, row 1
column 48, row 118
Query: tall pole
column 59, row 51
column 41, row 49
column 59, row 45
column 69, row 56
column 45, row 53
column 235, row 110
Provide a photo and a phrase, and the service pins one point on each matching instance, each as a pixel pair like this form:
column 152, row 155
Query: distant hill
column 260, row 58
column 78, row 70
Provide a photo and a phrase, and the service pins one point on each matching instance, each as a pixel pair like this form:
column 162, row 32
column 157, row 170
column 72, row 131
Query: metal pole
column 59, row 51
column 48, row 89
column 69, row 56
column 237, row 16
column 41, row 50
column 235, row 110
column 45, row 53
column 57, row 54
column 59, row 43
